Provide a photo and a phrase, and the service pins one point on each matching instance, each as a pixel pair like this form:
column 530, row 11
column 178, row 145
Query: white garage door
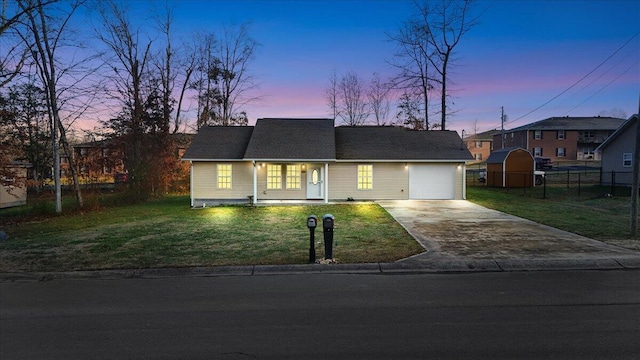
column 432, row 181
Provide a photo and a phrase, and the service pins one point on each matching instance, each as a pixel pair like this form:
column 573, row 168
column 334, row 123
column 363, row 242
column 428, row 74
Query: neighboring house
column 617, row 154
column 96, row 162
column 103, row 161
column 561, row 138
column 480, row 145
column 13, row 191
column 311, row 159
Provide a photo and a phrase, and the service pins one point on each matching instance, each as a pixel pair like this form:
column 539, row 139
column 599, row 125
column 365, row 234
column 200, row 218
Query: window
column 626, row 159
column 560, row 134
column 537, row 151
column 478, row 144
column 587, row 136
column 293, row 177
column 537, row 134
column 365, row 177
column 479, row 157
column 274, row 177
column 224, row 176
column 560, row 152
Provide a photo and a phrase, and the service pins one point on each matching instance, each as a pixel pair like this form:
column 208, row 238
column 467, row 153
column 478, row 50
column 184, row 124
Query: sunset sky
column 521, row 55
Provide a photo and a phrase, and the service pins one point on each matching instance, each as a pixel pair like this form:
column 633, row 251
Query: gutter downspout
column 326, row 183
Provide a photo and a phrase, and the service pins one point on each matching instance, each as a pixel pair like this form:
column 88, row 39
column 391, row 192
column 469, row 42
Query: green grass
column 168, row 233
column 589, row 212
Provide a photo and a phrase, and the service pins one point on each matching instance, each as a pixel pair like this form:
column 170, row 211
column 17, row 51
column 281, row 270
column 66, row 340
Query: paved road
column 510, row 315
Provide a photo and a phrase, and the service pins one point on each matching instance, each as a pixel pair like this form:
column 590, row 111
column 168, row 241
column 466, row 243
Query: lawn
column 168, row 233
column 590, row 212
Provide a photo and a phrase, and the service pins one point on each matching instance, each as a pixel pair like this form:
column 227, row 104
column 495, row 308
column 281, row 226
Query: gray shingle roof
column 573, row 123
column 219, row 143
column 292, row 139
column 486, row 135
column 398, row 143
column 499, row 156
column 618, row 132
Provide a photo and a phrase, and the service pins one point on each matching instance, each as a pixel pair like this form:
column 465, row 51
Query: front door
column 315, row 184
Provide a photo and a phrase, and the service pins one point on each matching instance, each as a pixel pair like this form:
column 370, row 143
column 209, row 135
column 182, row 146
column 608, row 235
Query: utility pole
column 636, row 180
column 502, row 125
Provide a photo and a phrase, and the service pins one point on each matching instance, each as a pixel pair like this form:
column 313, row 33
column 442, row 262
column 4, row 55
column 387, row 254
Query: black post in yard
column 578, row 184
column 312, row 223
column 613, row 182
column 312, row 245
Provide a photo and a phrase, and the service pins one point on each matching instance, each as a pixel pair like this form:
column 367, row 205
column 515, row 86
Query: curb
column 407, row 267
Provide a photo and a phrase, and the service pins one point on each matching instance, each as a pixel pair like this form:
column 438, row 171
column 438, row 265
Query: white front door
column 315, row 181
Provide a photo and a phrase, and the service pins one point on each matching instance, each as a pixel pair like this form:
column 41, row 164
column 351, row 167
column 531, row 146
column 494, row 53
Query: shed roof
column 500, row 155
column 573, row 123
column 292, row 139
column 219, row 143
column 398, row 143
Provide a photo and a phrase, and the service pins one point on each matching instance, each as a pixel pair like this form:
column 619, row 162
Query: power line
column 577, row 82
column 604, row 86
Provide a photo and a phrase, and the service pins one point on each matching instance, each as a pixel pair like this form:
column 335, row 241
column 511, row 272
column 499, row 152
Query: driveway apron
column 459, row 229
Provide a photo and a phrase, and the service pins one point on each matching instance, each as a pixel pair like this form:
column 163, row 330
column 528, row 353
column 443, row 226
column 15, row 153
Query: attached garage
column 432, row 181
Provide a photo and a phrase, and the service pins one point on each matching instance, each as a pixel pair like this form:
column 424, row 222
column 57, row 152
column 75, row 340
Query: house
column 511, row 167
column 13, row 190
column 561, row 138
column 616, row 153
column 311, row 159
column 102, row 161
column 480, row 145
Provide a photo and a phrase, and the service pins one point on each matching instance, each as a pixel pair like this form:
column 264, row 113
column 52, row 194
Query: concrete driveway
column 458, row 229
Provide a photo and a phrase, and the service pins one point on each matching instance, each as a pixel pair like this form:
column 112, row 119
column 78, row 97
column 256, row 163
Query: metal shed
column 510, row 167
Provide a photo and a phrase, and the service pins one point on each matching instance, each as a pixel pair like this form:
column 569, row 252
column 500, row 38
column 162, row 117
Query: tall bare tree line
column 151, row 80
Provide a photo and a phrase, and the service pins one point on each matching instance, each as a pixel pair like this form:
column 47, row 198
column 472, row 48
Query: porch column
column 255, row 183
column 464, row 181
column 326, row 183
column 191, row 181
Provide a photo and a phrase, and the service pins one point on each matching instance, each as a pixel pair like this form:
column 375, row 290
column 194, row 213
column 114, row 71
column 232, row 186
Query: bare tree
column 378, row 96
column 14, row 53
column 331, row 94
column 409, row 111
column 415, row 77
column 223, row 79
column 452, row 21
column 44, row 34
column 236, row 51
column 129, row 65
column 426, row 43
column 352, row 100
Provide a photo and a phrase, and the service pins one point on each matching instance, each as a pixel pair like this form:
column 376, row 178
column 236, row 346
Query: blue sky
column 521, row 55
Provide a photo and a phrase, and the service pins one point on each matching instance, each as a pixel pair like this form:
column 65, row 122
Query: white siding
column 204, row 179
column 390, row 182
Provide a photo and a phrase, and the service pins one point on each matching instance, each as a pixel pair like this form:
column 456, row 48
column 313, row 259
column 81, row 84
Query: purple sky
column 523, row 54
